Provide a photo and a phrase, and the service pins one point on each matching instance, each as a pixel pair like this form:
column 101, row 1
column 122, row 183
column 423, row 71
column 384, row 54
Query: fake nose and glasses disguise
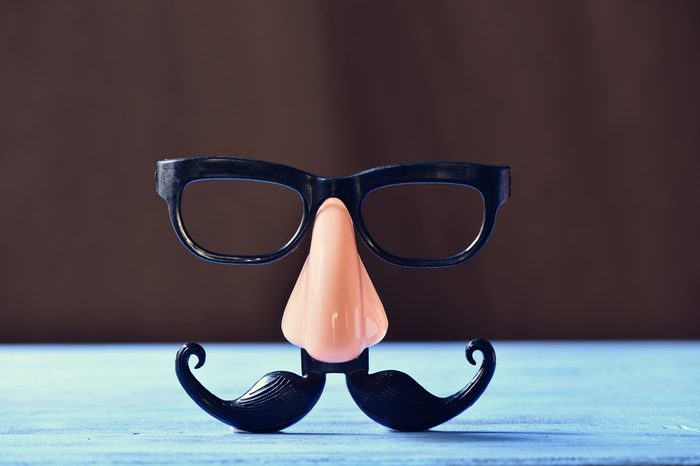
column 334, row 312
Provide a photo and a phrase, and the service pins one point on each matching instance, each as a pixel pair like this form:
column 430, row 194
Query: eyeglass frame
column 491, row 181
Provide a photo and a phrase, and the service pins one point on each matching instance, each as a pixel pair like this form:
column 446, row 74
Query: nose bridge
column 333, row 231
column 342, row 188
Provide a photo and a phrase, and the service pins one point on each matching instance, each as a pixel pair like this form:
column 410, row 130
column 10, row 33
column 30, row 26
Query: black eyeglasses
column 491, row 182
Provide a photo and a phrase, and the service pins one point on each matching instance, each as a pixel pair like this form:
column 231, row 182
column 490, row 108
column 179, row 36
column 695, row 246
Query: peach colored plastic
column 334, row 311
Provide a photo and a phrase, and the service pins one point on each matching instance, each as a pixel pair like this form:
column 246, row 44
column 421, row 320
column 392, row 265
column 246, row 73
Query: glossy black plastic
column 492, row 182
column 395, row 400
column 281, row 398
column 391, row 398
column 276, row 401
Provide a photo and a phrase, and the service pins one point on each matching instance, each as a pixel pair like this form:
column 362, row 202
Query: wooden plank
column 549, row 403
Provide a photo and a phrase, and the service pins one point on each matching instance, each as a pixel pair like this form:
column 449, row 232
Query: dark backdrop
column 595, row 105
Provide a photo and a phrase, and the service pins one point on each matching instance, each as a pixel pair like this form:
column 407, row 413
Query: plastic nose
column 334, row 311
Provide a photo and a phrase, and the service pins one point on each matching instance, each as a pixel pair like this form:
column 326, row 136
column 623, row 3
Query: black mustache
column 395, row 400
column 278, row 400
column 281, row 398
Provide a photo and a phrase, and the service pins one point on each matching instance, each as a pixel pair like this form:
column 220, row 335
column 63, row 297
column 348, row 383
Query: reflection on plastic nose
column 334, row 311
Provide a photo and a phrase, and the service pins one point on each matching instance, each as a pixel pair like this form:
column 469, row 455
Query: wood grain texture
column 549, row 403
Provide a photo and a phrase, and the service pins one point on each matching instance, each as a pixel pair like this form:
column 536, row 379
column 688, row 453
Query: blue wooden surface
column 549, row 403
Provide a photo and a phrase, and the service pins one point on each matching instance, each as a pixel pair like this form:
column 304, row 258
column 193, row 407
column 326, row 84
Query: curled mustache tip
column 192, row 349
column 482, row 346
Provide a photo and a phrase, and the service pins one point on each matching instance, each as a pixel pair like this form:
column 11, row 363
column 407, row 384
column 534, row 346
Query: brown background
column 595, row 105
